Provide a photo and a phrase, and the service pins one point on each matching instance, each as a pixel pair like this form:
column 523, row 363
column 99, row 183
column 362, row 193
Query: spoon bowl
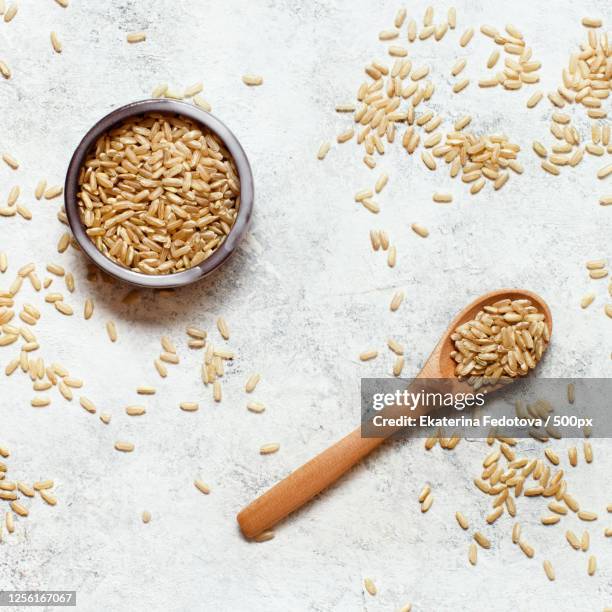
column 309, row 480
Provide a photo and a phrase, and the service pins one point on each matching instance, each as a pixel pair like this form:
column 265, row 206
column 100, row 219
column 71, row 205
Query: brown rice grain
column 427, row 503
column 421, row 231
column 5, row 71
column 88, row 309
column 461, row 85
column 463, row 522
column 370, row 587
column 19, row 508
column 41, row 485
column 398, row 366
column 491, row 518
column 189, row 406
column 55, row 42
column 256, row 407
column 585, row 515
column 168, row 345
column 10, row 161
column 493, row 59
column 40, row 401
column 223, row 328
column 591, row 22
column 124, row 447
column 193, row 90
column 167, row 357
column 585, row 541
column 381, row 182
column 111, row 330
column 602, row 173
column 548, row 569
column 268, row 449
column 396, row 300
column 88, row 405
column 136, row 37
column 251, row 383
column 458, row 66
column 482, row 540
column 161, row 368
column 572, row 539
column 252, row 80
column 534, row 99
column 10, row 12
column 201, row 486
column 196, row 333
column 550, row 168
column 264, row 536
column 587, row 300
column 323, row 150
column 526, row 548
column 217, row 393
column 442, row 198
column 466, row 37
column 200, row 102
column 473, row 553
column 135, row 410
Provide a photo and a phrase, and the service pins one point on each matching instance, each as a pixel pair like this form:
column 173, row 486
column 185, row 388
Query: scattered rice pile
column 19, row 496
column 519, row 66
column 597, row 270
column 478, row 159
column 588, row 76
column 191, row 91
column 507, row 477
column 158, row 194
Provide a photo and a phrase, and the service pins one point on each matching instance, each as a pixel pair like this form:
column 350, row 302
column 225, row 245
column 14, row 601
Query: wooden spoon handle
column 304, row 483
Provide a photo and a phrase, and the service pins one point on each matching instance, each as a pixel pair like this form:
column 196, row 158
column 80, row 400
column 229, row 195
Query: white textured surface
column 303, row 297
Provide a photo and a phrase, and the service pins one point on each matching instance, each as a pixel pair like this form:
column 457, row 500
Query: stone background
column 303, row 297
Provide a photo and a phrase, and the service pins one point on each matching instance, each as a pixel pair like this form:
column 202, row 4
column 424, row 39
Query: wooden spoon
column 307, row 481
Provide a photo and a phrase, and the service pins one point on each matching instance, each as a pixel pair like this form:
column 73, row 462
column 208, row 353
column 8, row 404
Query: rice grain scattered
column 136, row 37
column 55, row 42
column 10, row 12
column 548, row 569
column 201, row 486
column 252, row 80
column 482, row 540
column 268, row 449
column 124, row 447
column 396, row 300
column 323, row 150
column 111, row 330
column 473, row 553
column 251, row 383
